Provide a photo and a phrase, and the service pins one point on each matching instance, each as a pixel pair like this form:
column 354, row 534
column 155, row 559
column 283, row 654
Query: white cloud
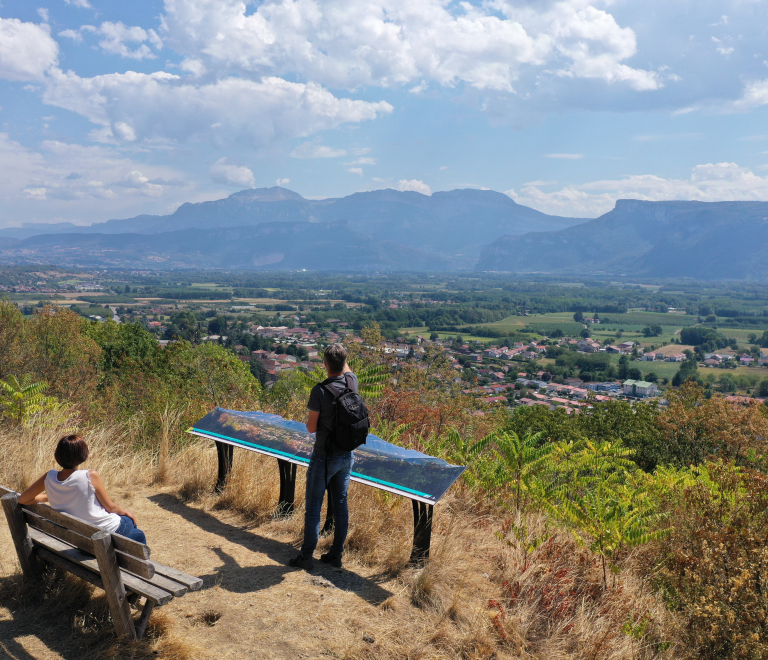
column 83, row 4
column 708, row 183
column 75, row 35
column 565, row 156
column 161, row 106
column 137, row 183
column 193, row 66
column 355, row 170
column 314, row 150
column 234, row 175
column 71, row 182
column 283, row 182
column 415, row 185
column 443, row 168
column 116, row 36
column 27, row 50
column 348, row 44
column 42, row 12
column 755, row 94
column 364, row 161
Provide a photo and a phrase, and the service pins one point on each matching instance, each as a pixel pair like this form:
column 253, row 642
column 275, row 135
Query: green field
column 651, row 318
column 425, row 333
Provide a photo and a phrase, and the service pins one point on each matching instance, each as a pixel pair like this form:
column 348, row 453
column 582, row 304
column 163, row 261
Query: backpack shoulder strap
column 335, row 393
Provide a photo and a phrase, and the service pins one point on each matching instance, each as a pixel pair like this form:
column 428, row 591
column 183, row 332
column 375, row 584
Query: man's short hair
column 335, row 357
column 71, row 451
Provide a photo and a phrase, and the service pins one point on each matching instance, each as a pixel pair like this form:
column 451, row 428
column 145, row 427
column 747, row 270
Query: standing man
column 328, row 463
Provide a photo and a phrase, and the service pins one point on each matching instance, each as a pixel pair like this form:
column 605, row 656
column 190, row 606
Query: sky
column 111, row 110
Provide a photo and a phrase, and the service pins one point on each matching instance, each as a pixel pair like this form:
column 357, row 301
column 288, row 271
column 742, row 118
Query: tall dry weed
column 27, row 451
column 253, row 487
column 555, row 598
column 170, row 422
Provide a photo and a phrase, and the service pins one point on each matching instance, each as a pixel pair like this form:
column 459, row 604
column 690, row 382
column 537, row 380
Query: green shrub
column 715, row 571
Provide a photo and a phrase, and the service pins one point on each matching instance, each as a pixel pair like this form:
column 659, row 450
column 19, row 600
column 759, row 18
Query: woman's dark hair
column 335, row 357
column 71, row 451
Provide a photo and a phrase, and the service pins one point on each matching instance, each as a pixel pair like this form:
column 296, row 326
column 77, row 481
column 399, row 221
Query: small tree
column 614, row 518
column 525, row 460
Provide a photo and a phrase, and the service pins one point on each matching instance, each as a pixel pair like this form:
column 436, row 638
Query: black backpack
column 351, row 424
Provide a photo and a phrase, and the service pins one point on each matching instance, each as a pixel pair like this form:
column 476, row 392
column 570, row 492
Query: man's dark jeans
column 339, row 468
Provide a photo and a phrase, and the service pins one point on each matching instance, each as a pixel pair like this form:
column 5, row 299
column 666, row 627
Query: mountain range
column 278, row 229
column 702, row 240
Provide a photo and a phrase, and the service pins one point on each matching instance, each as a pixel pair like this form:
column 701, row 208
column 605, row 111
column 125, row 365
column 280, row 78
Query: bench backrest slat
column 84, row 543
column 121, row 543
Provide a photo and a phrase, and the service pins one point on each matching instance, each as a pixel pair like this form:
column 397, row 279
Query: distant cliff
column 703, row 240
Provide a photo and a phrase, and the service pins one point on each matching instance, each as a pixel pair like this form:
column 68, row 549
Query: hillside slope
column 704, row 240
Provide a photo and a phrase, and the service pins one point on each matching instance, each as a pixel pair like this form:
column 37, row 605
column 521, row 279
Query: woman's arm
column 35, row 492
column 105, row 499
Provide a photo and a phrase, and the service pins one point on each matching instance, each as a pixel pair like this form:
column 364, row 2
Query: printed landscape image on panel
column 377, row 463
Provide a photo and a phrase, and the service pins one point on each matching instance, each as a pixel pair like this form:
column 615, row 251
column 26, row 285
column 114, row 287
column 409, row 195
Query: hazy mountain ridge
column 444, row 230
column 286, row 245
column 704, row 240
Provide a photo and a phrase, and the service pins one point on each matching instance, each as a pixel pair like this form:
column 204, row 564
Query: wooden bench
column 118, row 565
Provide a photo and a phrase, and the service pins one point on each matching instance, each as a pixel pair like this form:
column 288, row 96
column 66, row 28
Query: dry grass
column 477, row 598
column 73, row 617
column 28, row 451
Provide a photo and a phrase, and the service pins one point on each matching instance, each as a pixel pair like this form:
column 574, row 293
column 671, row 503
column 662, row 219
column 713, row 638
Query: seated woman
column 81, row 493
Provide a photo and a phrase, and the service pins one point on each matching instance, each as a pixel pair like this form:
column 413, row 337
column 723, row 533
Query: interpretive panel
column 377, row 463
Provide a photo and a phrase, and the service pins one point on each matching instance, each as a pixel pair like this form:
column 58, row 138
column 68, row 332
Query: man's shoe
column 333, row 560
column 307, row 563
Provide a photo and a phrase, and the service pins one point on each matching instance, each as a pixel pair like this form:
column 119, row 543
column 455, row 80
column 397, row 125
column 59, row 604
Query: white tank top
column 77, row 497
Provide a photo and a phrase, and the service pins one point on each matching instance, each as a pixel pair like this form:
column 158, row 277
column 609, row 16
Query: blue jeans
column 129, row 529
column 339, row 468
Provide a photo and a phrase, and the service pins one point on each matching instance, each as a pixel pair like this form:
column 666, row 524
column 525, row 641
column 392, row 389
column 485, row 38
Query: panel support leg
column 225, row 453
column 287, row 488
column 422, row 532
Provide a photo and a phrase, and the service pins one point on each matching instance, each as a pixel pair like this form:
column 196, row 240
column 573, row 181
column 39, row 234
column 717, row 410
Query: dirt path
column 251, row 605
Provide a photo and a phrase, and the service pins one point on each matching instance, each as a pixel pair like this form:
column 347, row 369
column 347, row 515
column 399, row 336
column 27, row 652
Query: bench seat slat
column 121, row 543
column 133, row 583
column 193, row 583
column 176, row 588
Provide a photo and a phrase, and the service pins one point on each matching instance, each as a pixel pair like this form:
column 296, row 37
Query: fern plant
column 371, row 378
column 614, row 518
column 21, row 399
column 526, row 461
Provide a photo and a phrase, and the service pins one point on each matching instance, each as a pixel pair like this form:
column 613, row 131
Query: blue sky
column 110, row 110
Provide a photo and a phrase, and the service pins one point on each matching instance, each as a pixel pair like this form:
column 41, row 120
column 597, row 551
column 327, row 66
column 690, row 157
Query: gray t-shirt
column 321, row 400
